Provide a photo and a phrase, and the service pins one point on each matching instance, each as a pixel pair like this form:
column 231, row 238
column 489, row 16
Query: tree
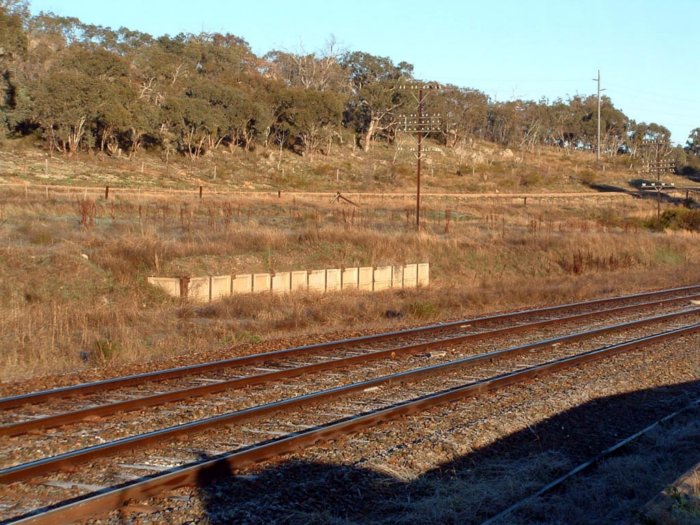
column 193, row 123
column 693, row 144
column 641, row 132
column 13, row 39
column 62, row 103
column 13, row 48
column 308, row 70
column 309, row 116
column 464, row 113
column 238, row 112
column 375, row 95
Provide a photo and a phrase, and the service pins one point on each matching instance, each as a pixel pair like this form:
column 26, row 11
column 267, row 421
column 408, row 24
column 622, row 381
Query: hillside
column 478, row 167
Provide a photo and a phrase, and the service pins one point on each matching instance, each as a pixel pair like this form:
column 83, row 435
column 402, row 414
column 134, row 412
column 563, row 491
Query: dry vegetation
column 472, row 167
column 73, row 266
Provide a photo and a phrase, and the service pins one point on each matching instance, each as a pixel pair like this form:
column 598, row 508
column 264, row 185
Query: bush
column 423, row 310
column 676, row 219
column 106, row 349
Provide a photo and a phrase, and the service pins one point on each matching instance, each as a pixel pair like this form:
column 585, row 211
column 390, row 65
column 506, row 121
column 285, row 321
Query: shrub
column 676, row 219
column 423, row 309
column 106, row 349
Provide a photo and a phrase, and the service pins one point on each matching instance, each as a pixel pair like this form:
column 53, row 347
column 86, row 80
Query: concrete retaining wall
column 200, row 289
column 300, row 281
column 242, row 284
column 169, row 285
column 382, row 278
column 282, row 282
column 423, row 274
column 366, row 280
column 220, row 286
column 350, row 278
column 410, row 276
column 317, row 281
column 397, row 277
column 207, row 289
column 262, row 282
column 333, row 280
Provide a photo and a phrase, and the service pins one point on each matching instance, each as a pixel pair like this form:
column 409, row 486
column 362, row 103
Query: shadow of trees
column 468, row 489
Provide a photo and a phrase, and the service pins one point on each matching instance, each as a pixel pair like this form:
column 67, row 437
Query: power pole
column 599, row 90
column 419, row 155
column 655, row 161
column 420, row 124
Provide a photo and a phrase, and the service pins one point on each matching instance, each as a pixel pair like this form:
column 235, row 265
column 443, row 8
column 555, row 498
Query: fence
column 369, row 279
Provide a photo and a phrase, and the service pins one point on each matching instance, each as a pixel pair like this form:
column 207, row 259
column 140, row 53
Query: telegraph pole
column 655, row 162
column 420, row 154
column 420, row 124
column 599, row 90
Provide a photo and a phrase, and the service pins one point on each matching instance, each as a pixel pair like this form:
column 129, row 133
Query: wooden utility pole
column 420, row 124
column 420, row 155
column 599, row 90
column 655, row 162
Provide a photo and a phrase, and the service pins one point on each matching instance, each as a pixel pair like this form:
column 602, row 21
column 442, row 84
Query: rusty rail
column 76, row 457
column 203, row 390
column 194, row 474
column 173, row 373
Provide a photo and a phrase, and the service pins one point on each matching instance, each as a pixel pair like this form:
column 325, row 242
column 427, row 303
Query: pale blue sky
column 647, row 50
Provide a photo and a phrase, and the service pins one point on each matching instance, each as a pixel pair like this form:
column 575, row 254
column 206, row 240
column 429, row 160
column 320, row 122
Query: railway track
column 338, row 387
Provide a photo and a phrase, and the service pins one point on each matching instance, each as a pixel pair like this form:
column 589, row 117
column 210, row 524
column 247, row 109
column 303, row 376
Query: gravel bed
column 459, row 463
column 380, row 452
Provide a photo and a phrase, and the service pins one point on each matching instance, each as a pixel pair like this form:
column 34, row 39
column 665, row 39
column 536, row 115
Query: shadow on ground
column 469, row 489
column 640, row 193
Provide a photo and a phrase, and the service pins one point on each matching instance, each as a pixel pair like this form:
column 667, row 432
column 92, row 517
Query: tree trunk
column 75, row 136
column 371, row 130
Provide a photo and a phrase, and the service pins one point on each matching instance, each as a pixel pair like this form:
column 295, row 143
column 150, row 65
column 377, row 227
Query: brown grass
column 73, row 290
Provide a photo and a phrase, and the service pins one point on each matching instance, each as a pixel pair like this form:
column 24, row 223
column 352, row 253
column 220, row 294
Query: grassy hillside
column 480, row 167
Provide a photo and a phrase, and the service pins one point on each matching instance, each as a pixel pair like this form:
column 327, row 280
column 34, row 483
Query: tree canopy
column 86, row 87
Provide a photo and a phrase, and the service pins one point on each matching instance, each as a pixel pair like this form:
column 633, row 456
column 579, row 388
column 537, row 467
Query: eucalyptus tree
column 307, row 118
column 375, row 94
column 321, row 71
column 692, row 145
column 463, row 112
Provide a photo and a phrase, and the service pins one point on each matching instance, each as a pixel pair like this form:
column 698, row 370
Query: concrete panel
column 282, row 282
column 200, row 289
column 317, row 280
column 220, row 287
column 333, row 283
column 350, row 278
column 300, row 281
column 382, row 278
column 397, row 277
column 366, row 279
column 423, row 274
column 262, row 282
column 169, row 285
column 242, row 284
column 410, row 276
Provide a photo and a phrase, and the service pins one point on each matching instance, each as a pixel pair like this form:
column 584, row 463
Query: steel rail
column 200, row 472
column 76, row 457
column 173, row 373
column 138, row 403
column 590, row 462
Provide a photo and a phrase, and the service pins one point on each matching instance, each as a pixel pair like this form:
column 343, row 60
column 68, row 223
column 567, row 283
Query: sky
column 647, row 51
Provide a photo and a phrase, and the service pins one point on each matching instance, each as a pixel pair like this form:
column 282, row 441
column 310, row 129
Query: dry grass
column 73, row 269
column 616, row 490
column 475, row 167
